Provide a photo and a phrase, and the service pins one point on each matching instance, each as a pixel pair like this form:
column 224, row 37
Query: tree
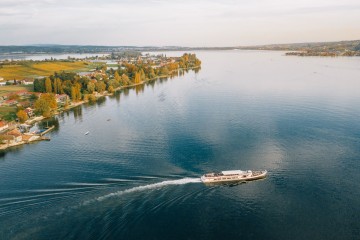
column 137, row 78
column 39, row 85
column 100, row 87
column 357, row 48
column 111, row 89
column 50, row 99
column 42, row 107
column 22, row 115
column 58, row 86
column 90, row 87
column 117, row 77
column 48, row 85
column 124, row 80
column 73, row 94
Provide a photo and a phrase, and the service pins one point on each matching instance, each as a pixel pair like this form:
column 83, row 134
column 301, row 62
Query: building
column 27, row 82
column 61, row 98
column 3, row 126
column 29, row 112
column 7, row 139
column 16, row 133
column 29, row 137
column 10, row 103
column 23, row 93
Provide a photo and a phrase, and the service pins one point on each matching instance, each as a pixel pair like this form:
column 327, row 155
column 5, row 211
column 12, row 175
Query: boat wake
column 145, row 187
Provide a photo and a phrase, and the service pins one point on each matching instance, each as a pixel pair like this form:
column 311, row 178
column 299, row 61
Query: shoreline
column 33, row 121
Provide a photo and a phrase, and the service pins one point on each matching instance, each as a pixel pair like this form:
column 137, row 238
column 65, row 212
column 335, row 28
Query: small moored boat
column 233, row 176
column 86, row 133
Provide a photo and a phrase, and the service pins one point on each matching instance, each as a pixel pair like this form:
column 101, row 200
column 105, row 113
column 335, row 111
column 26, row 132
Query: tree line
column 78, row 87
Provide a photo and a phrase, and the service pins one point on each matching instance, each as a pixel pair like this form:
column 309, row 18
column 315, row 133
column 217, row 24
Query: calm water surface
column 136, row 175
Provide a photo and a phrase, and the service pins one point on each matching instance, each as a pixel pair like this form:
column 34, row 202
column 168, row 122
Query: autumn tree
column 48, row 85
column 117, row 77
column 45, row 104
column 124, row 80
column 50, row 98
column 100, row 87
column 137, row 78
column 90, row 87
column 22, row 115
column 111, row 89
column 58, row 86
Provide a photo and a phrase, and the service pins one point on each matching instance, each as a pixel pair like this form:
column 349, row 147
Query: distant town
column 31, row 91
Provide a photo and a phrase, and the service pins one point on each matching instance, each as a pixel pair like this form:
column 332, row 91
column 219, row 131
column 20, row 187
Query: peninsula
column 26, row 98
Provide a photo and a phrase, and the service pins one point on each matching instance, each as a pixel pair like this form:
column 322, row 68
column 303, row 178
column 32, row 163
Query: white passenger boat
column 233, row 176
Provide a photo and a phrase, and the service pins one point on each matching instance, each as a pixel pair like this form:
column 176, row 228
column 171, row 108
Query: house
column 61, row 98
column 29, row 112
column 3, row 126
column 24, row 104
column 23, row 93
column 27, row 82
column 10, row 102
column 2, row 83
column 29, row 137
column 9, row 139
column 16, row 133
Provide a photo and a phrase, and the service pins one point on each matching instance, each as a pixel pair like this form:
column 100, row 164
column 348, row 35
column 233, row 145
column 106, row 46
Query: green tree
column 39, row 85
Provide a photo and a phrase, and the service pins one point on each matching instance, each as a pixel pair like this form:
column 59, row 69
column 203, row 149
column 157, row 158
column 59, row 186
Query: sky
column 192, row 23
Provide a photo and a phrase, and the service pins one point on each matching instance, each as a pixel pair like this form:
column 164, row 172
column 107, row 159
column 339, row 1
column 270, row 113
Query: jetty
column 47, row 130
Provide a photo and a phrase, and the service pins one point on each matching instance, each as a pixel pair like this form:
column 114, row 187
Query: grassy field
column 8, row 113
column 21, row 70
column 14, row 88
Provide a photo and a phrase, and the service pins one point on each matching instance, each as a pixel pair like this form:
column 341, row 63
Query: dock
column 47, row 130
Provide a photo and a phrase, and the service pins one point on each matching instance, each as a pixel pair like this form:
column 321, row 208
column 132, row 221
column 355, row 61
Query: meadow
column 29, row 69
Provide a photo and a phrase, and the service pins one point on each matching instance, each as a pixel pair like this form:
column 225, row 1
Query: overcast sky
column 177, row 22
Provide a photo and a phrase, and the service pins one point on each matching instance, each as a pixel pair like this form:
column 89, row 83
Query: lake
column 136, row 174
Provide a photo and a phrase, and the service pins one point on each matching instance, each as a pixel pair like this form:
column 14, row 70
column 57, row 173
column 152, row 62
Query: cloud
column 159, row 22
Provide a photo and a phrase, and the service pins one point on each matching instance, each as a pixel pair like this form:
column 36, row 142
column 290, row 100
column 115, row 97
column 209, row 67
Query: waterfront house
column 3, row 126
column 61, row 98
column 16, row 133
column 7, row 139
column 29, row 112
column 29, row 137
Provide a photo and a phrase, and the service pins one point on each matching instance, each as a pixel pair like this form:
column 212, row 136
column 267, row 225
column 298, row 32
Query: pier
column 47, row 130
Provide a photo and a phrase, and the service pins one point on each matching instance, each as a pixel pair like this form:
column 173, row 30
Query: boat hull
column 226, row 179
